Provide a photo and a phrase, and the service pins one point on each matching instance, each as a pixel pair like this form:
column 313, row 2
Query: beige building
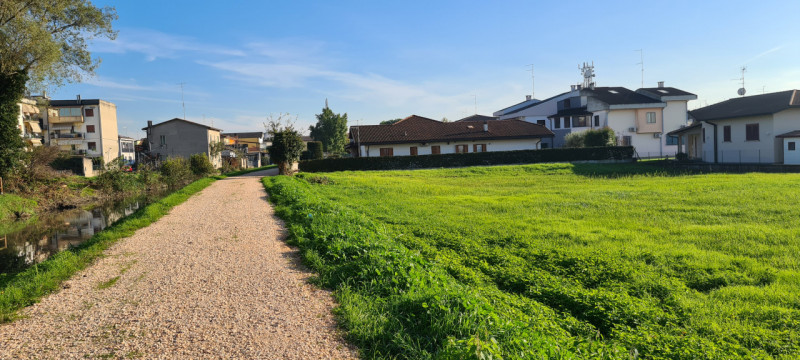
column 182, row 138
column 84, row 127
column 28, row 122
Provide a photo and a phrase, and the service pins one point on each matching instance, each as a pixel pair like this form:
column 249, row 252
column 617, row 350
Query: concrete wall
column 450, row 148
column 182, row 140
column 739, row 149
column 108, row 131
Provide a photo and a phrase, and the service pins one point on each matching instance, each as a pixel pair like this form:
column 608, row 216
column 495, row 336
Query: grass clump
column 13, row 207
column 108, row 283
column 555, row 260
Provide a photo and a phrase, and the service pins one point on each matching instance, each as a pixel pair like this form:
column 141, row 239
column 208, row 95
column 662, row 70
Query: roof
column 418, row 129
column 124, row 137
column 186, row 121
column 532, row 101
column 572, row 112
column 790, row 134
column 684, row 129
column 666, row 91
column 252, row 134
column 755, row 105
column 74, row 102
column 306, row 138
column 477, row 117
column 534, row 104
column 619, row 96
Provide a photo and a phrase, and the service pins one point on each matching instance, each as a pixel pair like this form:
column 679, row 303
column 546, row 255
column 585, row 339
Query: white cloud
column 154, row 44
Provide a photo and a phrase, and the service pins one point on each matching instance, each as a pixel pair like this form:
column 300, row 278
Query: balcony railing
column 66, row 136
column 64, row 119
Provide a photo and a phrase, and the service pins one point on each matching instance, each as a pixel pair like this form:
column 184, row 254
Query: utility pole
column 182, row 102
column 641, row 62
column 533, row 83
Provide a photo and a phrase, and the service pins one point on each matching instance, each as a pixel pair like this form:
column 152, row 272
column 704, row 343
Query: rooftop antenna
column 588, row 75
column 533, row 83
column 182, row 102
column 641, row 62
column 741, row 90
column 476, row 103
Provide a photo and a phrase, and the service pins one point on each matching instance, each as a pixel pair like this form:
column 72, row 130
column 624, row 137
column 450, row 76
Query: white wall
column 450, row 148
column 784, row 122
column 791, row 157
column 739, row 149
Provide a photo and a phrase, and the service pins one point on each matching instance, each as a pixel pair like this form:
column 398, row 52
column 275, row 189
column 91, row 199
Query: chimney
column 485, row 126
column 661, row 84
column 527, row 97
column 579, row 86
column 79, row 99
column 572, row 87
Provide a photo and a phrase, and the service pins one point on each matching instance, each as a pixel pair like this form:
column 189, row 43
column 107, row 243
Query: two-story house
column 182, row 138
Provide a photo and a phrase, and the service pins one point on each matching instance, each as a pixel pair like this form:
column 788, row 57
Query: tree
column 331, row 130
column 445, row 119
column 390, row 122
column 43, row 42
column 287, row 145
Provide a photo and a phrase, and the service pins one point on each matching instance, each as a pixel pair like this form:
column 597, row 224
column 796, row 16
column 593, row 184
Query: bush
column 175, row 172
column 682, row 156
column 314, row 150
column 200, row 165
column 599, row 137
column 470, row 159
column 287, row 145
column 574, row 140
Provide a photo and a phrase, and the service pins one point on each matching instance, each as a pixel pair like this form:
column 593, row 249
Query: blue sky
column 243, row 60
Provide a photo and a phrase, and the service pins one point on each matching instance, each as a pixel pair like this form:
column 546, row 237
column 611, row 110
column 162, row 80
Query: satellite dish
column 741, row 91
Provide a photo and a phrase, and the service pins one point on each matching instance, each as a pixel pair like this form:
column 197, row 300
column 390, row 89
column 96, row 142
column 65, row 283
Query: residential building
column 29, row 122
column 417, row 135
column 477, row 117
column 182, row 138
column 250, row 144
column 750, row 129
column 83, row 126
column 127, row 151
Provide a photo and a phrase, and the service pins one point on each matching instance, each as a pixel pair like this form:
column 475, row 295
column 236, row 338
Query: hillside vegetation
column 555, row 260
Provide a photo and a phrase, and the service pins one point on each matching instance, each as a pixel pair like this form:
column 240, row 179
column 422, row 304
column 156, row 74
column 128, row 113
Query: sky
column 241, row 62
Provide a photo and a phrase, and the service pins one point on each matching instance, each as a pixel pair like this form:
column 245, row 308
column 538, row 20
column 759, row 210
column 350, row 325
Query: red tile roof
column 418, row 129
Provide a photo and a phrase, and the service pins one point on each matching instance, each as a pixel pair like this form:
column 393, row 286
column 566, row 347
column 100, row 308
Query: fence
column 739, row 157
column 656, row 155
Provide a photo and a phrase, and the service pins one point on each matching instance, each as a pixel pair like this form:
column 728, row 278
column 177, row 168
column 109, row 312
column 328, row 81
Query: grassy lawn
column 555, row 260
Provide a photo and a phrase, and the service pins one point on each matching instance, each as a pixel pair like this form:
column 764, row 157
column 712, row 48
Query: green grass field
column 555, row 260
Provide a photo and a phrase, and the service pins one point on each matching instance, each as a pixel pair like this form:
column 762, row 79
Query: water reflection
column 58, row 231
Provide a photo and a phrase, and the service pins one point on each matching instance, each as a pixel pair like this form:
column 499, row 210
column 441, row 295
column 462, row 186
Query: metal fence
column 655, row 155
column 738, row 157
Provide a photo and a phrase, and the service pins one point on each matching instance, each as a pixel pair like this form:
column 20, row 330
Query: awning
column 29, row 109
column 35, row 141
column 34, row 126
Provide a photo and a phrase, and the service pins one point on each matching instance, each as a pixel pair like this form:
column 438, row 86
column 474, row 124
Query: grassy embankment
column 27, row 287
column 13, row 207
column 555, row 260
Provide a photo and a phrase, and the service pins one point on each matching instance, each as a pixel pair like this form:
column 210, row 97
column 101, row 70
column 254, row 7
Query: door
column 693, row 146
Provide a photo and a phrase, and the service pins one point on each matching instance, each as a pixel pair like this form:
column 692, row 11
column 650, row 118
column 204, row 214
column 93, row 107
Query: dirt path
column 213, row 279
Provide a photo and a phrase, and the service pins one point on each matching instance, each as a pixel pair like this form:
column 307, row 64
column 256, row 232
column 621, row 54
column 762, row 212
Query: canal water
column 57, row 231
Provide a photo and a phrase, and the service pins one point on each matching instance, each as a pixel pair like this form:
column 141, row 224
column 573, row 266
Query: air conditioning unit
column 631, row 129
column 657, row 135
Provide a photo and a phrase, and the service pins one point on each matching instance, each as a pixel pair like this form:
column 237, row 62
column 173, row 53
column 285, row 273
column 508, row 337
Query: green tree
column 287, row 144
column 390, row 122
column 331, row 130
column 43, row 42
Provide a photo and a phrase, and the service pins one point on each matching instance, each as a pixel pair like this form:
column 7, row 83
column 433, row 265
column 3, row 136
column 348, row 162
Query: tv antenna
column 182, row 102
column 741, row 90
column 476, row 103
column 533, row 83
column 588, row 74
column 641, row 62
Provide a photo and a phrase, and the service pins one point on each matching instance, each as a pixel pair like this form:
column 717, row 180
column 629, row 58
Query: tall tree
column 331, row 130
column 43, row 42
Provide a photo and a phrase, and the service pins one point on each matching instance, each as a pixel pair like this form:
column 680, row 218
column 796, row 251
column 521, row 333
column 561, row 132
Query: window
column 387, row 151
column 435, row 150
column 88, row 112
column 704, row 135
column 751, row 132
column 566, row 104
column 726, row 133
column 413, row 151
column 672, row 140
column 651, row 117
column 556, row 123
column 541, row 122
column 579, row 121
column 90, row 128
column 545, row 145
column 69, row 112
column 790, row 146
column 92, row 146
column 461, row 149
column 566, row 122
column 626, row 141
column 163, row 140
column 597, row 120
column 479, row 148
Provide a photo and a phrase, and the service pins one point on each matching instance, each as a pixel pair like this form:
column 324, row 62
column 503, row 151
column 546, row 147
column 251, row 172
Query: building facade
column 29, row 123
column 85, row 127
column 182, row 138
column 127, row 150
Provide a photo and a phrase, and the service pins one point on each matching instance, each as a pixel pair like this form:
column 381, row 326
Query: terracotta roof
column 755, row 105
column 186, row 121
column 418, row 129
column 791, row 134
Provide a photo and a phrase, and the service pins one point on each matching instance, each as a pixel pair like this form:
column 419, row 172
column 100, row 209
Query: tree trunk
column 12, row 88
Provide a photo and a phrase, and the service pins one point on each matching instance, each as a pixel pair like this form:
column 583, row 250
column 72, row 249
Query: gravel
column 212, row 279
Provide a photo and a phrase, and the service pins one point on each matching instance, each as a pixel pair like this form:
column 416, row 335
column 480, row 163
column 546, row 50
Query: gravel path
column 213, row 279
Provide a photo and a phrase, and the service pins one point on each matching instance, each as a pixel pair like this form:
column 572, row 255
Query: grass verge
column 12, row 206
column 27, row 287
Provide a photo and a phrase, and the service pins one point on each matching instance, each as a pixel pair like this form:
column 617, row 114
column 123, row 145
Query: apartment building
column 84, row 127
column 28, row 122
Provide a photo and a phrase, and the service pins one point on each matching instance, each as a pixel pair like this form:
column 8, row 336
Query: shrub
column 470, row 159
column 175, row 172
column 682, row 156
column 314, row 150
column 599, row 137
column 287, row 145
column 574, row 140
column 200, row 165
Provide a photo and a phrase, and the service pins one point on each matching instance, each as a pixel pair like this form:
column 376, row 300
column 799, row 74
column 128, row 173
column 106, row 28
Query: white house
column 751, row 129
column 417, row 135
column 127, row 151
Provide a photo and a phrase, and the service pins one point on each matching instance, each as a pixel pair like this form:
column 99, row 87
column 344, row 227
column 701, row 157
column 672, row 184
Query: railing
column 32, row 136
column 64, row 119
column 656, row 155
column 66, row 136
column 755, row 156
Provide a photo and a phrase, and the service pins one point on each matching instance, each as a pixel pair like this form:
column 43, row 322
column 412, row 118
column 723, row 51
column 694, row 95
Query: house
column 538, row 113
column 127, row 150
column 29, row 122
column 477, row 117
column 750, row 129
column 417, row 135
column 182, row 138
column 86, row 127
column 249, row 144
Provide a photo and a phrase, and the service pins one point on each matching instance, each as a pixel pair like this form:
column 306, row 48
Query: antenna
column 641, row 62
column 182, row 102
column 742, row 90
column 533, row 83
column 588, row 75
column 476, row 103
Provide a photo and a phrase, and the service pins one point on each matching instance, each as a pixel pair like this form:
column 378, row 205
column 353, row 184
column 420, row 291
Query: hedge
column 469, row 159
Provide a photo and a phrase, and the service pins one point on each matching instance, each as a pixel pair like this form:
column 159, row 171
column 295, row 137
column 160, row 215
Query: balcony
column 64, row 119
column 66, row 136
